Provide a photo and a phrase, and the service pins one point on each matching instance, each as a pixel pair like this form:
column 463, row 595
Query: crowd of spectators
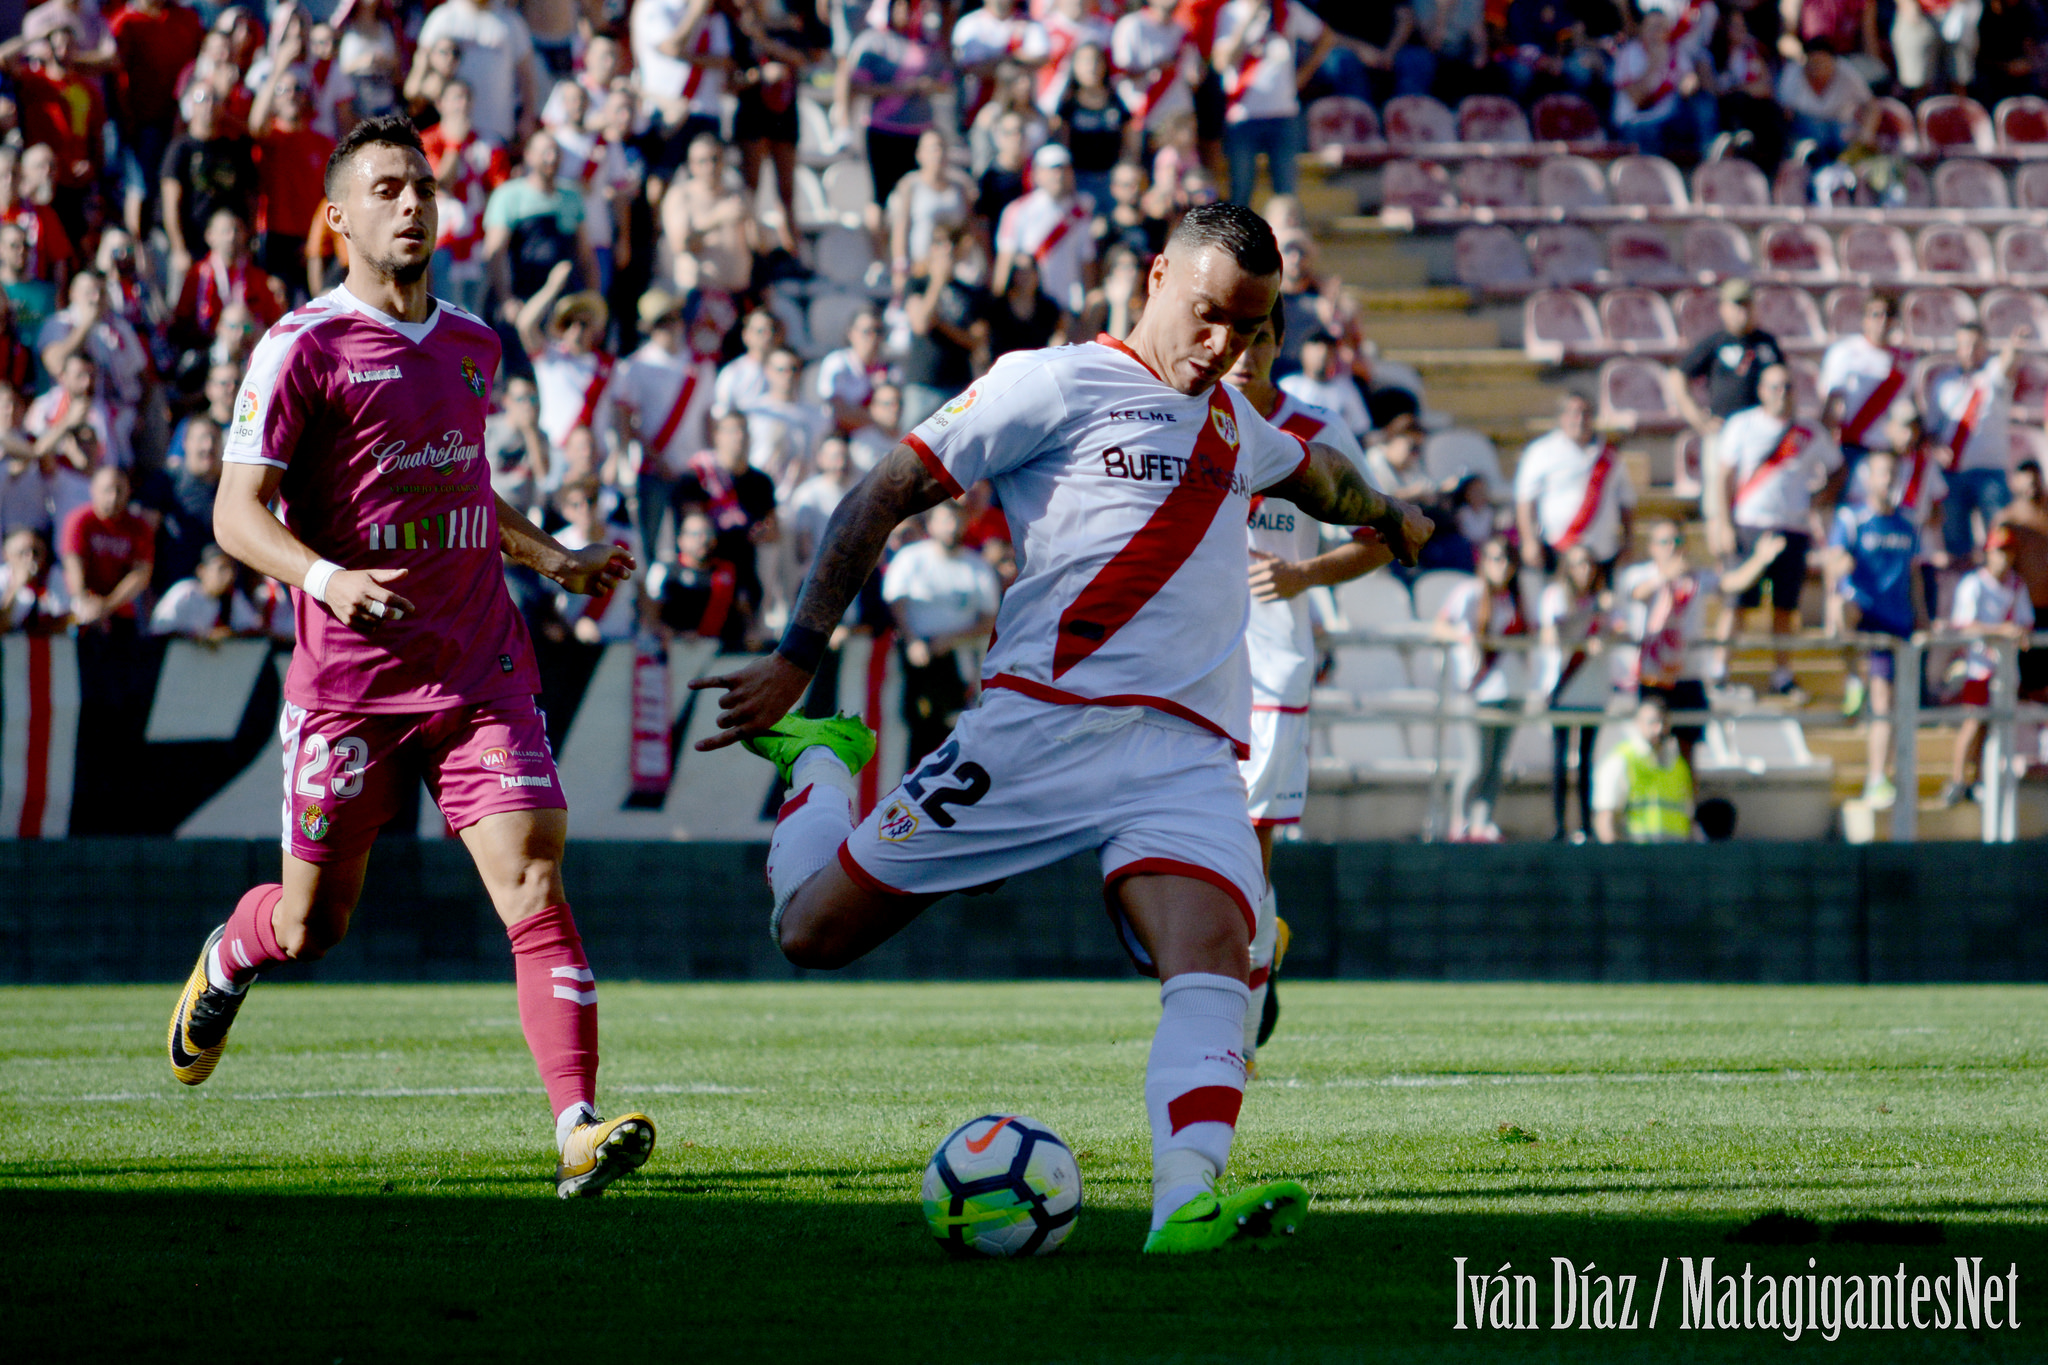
column 629, row 194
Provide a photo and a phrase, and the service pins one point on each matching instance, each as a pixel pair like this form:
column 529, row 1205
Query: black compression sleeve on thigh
column 803, row 646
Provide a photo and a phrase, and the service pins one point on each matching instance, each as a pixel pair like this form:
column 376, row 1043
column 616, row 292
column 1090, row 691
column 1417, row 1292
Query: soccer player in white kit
column 1287, row 560
column 1116, row 695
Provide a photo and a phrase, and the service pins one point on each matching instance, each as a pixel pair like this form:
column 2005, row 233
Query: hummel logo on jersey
column 372, row 376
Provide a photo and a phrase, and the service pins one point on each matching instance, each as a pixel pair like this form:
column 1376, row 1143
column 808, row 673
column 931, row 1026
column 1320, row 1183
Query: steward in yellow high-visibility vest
column 1643, row 791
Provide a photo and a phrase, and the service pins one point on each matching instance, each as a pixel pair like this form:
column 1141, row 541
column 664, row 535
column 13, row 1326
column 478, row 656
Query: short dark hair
column 1279, row 321
column 386, row 130
column 2028, row 467
column 1234, row 230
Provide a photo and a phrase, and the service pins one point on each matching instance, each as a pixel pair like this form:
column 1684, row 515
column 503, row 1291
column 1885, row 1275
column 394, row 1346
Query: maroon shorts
column 346, row 773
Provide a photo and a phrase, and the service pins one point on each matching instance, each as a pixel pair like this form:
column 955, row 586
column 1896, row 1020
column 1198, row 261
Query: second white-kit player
column 1117, row 697
column 1288, row 559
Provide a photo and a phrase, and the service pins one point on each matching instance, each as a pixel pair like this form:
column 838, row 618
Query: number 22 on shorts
column 974, row 777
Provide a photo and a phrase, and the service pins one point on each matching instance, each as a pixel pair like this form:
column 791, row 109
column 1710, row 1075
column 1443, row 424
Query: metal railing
column 1999, row 773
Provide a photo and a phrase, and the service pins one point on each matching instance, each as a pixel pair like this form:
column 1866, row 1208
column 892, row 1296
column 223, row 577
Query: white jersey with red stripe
column 1855, row 369
column 1126, row 501
column 1280, row 638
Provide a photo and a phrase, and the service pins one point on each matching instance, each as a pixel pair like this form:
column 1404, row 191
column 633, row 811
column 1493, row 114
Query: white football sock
column 568, row 1119
column 815, row 821
column 1264, row 939
column 217, row 975
column 1194, row 1084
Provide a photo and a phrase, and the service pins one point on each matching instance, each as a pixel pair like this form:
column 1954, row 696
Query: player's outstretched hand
column 595, row 570
column 1275, row 579
column 358, row 598
column 755, row 698
column 1414, row 531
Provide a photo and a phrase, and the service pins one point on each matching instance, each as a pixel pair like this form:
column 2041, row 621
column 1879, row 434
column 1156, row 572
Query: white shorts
column 1024, row 783
column 1276, row 775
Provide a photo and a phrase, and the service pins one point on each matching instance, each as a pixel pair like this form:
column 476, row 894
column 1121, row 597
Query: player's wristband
column 803, row 646
column 317, row 578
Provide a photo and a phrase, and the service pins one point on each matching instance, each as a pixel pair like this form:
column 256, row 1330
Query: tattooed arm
column 765, row 691
column 1330, row 489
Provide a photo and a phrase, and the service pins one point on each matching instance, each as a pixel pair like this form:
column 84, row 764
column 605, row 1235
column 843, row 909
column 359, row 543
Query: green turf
column 365, row 1177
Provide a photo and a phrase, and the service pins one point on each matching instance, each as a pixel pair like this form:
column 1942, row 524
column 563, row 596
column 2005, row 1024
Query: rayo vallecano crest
column 1226, row 426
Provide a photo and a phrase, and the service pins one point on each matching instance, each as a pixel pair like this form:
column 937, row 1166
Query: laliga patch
column 1226, row 426
column 899, row 822
column 472, row 376
column 496, row 758
column 957, row 406
column 313, row 822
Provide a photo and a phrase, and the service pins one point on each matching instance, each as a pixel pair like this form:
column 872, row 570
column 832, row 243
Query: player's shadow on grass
column 657, row 1271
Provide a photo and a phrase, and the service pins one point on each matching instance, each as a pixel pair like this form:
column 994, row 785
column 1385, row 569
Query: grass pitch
column 366, row 1176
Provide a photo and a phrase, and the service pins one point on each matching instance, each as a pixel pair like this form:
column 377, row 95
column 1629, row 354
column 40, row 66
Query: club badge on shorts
column 313, row 822
column 472, row 376
column 898, row 822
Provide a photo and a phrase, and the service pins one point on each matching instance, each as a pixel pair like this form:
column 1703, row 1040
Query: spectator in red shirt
column 291, row 162
column 61, row 107
column 156, row 40
column 50, row 254
column 225, row 276
column 108, row 554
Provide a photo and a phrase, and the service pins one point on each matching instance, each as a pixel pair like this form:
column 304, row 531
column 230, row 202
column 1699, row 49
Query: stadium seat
column 2022, row 122
column 1798, row 249
column 1416, row 185
column 1557, row 323
column 1790, row 315
column 1950, row 249
column 849, row 189
column 1843, row 310
column 1956, row 123
column 1632, row 394
column 1491, row 257
column 1966, row 183
column 1647, row 182
column 2030, row 185
column 1914, row 190
column 1698, row 314
column 1342, row 121
column 1730, row 183
column 1928, row 318
column 1566, row 254
column 844, row 253
column 1431, row 590
column 2023, row 254
column 2005, row 311
column 1487, row 182
column 1375, row 602
column 1641, row 254
column 1571, row 182
column 1717, row 249
column 1880, row 250
column 1451, row 455
column 1565, row 118
column 1638, row 320
column 1896, row 133
column 1417, row 120
column 817, row 143
column 812, row 209
column 2029, row 388
column 1491, row 118
column 1792, row 186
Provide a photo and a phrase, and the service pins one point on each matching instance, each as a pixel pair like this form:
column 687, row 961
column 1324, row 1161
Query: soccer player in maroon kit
column 364, row 413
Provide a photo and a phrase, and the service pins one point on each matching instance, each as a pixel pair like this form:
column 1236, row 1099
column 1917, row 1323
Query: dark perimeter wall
column 104, row 910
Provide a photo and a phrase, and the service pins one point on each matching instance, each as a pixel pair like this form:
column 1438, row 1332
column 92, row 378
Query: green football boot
column 1259, row 1216
column 785, row 742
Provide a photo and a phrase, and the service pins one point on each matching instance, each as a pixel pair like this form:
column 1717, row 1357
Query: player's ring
column 376, row 607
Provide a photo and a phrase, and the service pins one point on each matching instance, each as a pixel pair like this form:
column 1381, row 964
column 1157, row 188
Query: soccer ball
column 1001, row 1185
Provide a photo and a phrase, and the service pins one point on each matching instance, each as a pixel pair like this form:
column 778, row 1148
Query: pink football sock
column 557, row 1006
column 250, row 943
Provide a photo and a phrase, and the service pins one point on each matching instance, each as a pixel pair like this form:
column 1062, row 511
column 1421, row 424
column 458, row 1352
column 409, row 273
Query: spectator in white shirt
column 1157, row 65
column 944, row 596
column 497, row 62
column 745, row 379
column 883, row 431
column 1991, row 602
column 1572, row 489
column 207, row 606
column 1323, row 382
column 811, row 506
column 33, row 597
column 1823, row 98
column 847, row 377
column 608, row 617
column 1968, row 412
column 985, row 38
column 1765, row 468
column 664, row 397
column 1477, row 613
column 1050, row 226
column 682, row 53
column 1860, row 377
column 782, row 430
column 1254, row 56
column 72, row 419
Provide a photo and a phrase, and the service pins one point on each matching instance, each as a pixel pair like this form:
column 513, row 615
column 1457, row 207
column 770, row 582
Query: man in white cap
column 663, row 394
column 1050, row 225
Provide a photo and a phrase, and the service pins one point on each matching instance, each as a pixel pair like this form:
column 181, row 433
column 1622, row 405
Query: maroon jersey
column 378, row 426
